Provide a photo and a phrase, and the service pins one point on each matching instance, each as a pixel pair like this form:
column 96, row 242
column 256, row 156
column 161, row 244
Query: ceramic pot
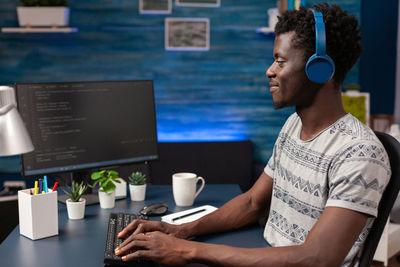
column 43, row 16
column 107, row 201
column 138, row 192
column 76, row 210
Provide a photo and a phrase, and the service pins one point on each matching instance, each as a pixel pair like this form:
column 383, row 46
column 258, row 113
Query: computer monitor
column 87, row 125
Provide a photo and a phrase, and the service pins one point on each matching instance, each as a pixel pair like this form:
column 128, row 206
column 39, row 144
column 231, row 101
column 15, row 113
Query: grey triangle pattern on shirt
column 306, row 157
column 293, row 232
column 300, row 183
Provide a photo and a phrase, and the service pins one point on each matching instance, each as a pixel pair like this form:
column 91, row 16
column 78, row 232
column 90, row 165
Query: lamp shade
column 14, row 138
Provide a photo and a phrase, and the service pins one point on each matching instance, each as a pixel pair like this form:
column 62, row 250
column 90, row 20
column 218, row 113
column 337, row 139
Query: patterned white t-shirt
column 343, row 166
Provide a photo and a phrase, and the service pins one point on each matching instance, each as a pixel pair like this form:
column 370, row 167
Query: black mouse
column 154, row 209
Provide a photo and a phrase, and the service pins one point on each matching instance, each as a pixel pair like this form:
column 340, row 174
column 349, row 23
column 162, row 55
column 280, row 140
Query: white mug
column 184, row 188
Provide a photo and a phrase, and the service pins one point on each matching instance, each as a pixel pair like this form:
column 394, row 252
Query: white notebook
column 188, row 215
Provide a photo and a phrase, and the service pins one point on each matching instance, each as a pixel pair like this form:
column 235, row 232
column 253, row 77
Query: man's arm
column 327, row 244
column 242, row 210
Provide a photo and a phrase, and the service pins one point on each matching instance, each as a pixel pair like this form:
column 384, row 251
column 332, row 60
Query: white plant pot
column 120, row 190
column 76, row 210
column 43, row 16
column 107, row 201
column 138, row 192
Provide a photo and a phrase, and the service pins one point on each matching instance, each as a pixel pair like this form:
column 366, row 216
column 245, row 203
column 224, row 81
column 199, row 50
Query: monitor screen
column 85, row 125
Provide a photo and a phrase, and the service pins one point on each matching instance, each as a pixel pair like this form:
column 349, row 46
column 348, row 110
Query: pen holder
column 38, row 214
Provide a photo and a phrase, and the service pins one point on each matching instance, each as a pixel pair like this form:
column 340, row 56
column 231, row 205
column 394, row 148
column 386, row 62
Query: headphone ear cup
column 320, row 69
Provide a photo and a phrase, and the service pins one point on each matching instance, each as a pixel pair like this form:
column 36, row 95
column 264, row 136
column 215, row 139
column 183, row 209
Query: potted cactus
column 43, row 13
column 137, row 186
column 106, row 179
column 76, row 203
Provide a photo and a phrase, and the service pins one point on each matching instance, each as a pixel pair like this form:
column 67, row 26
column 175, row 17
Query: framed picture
column 198, row 3
column 357, row 104
column 187, row 34
column 155, row 6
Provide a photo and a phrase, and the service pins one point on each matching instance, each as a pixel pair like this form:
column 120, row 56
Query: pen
column 36, row 187
column 55, row 186
column 45, row 184
column 187, row 215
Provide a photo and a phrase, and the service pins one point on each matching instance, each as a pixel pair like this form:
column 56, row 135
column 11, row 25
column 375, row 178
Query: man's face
column 289, row 84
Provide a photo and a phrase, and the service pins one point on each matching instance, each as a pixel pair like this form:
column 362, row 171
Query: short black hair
column 342, row 35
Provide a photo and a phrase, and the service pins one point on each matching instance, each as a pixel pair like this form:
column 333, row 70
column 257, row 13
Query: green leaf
column 109, row 188
column 96, row 175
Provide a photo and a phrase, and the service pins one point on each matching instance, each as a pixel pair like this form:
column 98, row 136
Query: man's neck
column 325, row 110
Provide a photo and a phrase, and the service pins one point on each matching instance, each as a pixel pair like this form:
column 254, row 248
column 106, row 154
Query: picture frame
column 187, row 34
column 155, row 6
column 198, row 3
column 358, row 104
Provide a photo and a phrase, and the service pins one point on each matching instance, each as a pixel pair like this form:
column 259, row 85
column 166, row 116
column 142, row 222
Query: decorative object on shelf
column 381, row 122
column 155, row 6
column 137, row 186
column 76, row 203
column 43, row 13
column 290, row 4
column 356, row 103
column 273, row 14
column 106, row 179
column 198, row 3
column 187, row 34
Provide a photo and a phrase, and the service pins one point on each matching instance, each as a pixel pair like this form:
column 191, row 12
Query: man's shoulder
column 350, row 129
column 358, row 141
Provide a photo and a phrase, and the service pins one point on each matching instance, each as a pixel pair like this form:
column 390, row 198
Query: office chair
column 389, row 196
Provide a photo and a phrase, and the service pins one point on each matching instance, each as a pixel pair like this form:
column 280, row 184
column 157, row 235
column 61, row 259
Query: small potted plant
column 75, row 202
column 137, row 186
column 106, row 179
column 43, row 13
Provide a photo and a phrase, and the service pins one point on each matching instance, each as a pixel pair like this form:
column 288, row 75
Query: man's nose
column 270, row 71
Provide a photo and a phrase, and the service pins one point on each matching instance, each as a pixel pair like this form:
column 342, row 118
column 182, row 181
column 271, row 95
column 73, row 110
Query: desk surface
column 81, row 242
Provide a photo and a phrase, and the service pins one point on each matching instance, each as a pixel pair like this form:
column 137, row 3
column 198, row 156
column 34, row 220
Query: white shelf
column 39, row 30
column 265, row 30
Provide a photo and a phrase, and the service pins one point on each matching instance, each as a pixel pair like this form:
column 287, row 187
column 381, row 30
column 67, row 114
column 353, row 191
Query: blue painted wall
column 221, row 94
column 378, row 62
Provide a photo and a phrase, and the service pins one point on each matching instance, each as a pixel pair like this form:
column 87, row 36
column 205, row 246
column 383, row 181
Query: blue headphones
column 320, row 67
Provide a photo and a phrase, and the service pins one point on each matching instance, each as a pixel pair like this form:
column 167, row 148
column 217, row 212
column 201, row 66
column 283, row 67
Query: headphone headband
column 320, row 37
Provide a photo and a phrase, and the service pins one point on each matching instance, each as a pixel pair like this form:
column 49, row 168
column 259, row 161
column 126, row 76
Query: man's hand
column 156, row 246
column 143, row 226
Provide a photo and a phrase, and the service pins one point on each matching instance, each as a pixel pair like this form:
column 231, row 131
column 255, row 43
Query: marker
column 45, row 184
column 187, row 215
column 40, row 186
column 55, row 186
column 36, row 187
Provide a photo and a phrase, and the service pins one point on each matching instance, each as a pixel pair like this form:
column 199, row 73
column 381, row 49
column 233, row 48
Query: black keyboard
column 116, row 223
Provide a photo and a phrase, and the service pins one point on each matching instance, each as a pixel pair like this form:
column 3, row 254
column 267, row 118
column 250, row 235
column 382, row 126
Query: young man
column 323, row 183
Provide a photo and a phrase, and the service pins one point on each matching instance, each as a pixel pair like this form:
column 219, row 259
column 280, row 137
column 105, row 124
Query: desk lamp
column 14, row 138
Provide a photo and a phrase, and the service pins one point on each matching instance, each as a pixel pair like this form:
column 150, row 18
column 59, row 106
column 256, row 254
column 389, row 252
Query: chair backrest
column 389, row 196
